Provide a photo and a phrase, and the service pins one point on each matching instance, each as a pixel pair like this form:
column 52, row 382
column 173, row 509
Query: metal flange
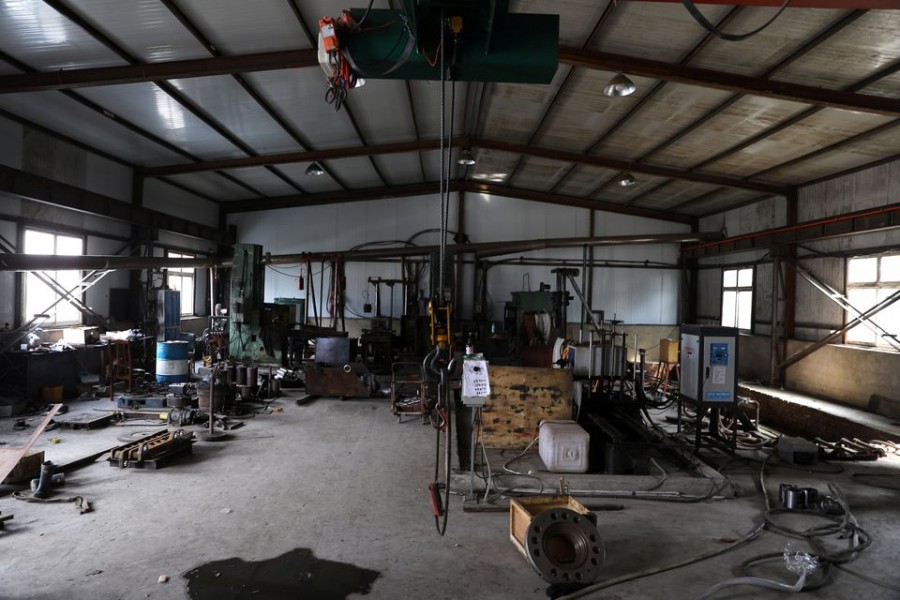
column 564, row 546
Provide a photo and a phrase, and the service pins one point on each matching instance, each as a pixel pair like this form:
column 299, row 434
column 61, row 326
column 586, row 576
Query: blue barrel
column 172, row 361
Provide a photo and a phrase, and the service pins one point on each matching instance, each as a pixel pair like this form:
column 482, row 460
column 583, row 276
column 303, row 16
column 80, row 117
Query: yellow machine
column 440, row 325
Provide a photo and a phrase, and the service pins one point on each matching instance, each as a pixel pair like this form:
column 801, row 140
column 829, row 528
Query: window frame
column 183, row 273
column 737, row 288
column 876, row 285
column 53, row 322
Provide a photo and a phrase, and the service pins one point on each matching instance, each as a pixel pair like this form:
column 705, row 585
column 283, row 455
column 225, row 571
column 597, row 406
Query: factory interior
column 449, row 299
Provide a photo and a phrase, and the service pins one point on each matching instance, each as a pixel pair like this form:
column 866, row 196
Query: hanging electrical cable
column 731, row 37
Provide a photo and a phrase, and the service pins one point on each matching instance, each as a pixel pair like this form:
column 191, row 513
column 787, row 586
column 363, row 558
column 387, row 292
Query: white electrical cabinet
column 709, row 372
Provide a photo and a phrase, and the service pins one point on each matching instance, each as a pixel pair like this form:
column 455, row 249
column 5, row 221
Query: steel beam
column 865, row 221
column 491, row 249
column 175, row 69
column 834, row 335
column 161, row 71
column 455, row 186
column 94, row 262
column 731, row 82
column 41, row 189
column 631, row 166
column 847, row 4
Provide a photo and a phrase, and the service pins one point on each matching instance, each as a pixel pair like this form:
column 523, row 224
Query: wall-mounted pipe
column 52, row 262
column 489, row 249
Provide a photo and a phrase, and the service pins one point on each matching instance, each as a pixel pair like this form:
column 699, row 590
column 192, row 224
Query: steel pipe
column 53, row 262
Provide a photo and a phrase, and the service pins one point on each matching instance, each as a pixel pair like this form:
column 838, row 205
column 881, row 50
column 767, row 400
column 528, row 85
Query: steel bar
column 54, row 262
column 861, row 319
column 845, row 304
column 731, row 82
column 886, row 217
column 488, row 249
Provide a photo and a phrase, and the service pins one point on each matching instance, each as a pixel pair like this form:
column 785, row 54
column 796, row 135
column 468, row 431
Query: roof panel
column 384, row 114
column 872, row 149
column 659, row 31
column 238, row 26
column 299, row 96
column 59, row 113
column 746, row 117
column 583, row 112
column 146, row 105
column 146, row 28
column 822, row 129
column 774, row 43
column 33, row 32
column 672, row 194
column 858, row 50
column 213, row 185
column 231, row 105
column 672, row 108
column 358, row 172
column 313, row 184
column 400, row 169
column 622, row 194
column 493, row 166
column 536, row 173
column 582, row 181
column 512, row 111
column 263, row 180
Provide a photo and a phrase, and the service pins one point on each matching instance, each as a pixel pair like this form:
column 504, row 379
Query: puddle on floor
column 295, row 574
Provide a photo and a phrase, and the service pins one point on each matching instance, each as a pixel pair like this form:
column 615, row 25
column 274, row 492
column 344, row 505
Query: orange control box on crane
column 329, row 35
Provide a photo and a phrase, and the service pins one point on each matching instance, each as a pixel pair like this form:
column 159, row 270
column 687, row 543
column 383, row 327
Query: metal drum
column 241, row 375
column 252, row 377
column 172, row 362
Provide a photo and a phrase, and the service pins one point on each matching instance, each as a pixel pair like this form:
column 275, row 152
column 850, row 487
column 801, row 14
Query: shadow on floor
column 295, row 574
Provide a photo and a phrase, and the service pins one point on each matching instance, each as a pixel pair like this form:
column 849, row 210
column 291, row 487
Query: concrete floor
column 346, row 482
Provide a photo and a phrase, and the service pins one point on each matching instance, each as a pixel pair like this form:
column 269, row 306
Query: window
column 182, row 279
column 869, row 281
column 38, row 295
column 737, row 298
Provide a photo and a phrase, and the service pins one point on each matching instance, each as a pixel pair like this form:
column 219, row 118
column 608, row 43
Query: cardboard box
column 668, row 351
column 29, row 468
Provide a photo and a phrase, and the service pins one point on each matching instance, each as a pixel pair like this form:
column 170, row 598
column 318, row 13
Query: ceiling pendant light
column 467, row 159
column 315, row 169
column 627, row 180
column 619, row 86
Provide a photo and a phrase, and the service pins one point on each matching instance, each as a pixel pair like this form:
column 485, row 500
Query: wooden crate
column 523, row 510
column 521, row 397
column 668, row 351
column 28, row 468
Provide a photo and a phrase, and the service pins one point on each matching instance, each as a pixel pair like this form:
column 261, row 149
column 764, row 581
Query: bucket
column 172, row 362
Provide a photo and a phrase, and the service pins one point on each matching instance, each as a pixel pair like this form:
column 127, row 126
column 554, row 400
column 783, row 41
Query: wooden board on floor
column 521, row 397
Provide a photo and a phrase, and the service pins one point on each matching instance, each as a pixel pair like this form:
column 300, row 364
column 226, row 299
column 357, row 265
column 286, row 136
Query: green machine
column 247, row 286
column 483, row 42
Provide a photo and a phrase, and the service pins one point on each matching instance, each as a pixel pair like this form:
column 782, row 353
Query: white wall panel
column 171, row 200
column 638, row 296
column 11, row 148
column 871, row 188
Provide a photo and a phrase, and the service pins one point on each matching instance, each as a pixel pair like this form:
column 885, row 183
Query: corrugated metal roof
column 678, row 123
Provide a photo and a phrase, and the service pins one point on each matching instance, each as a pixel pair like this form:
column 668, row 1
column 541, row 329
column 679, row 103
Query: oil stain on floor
column 295, row 574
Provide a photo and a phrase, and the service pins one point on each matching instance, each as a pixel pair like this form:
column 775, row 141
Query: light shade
column 627, row 180
column 466, row 158
column 315, row 168
column 619, row 86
